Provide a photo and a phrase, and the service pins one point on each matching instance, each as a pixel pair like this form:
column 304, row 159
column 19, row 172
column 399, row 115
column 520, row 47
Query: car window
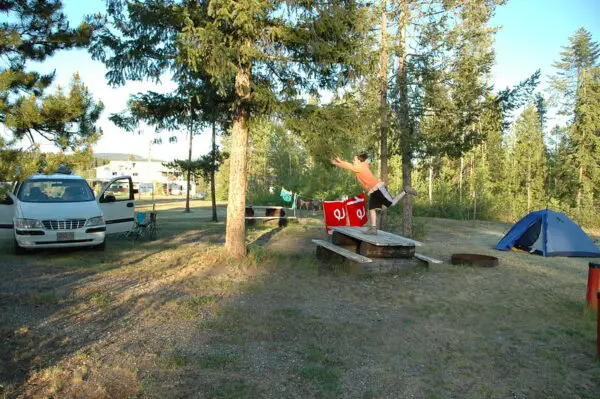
column 120, row 189
column 55, row 190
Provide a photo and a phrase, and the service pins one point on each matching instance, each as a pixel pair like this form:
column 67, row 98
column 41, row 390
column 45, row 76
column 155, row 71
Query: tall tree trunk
column 474, row 205
column 460, row 179
column 406, row 180
column 212, row 173
column 430, row 184
column 189, row 172
column 580, row 188
column 529, row 185
column 235, row 234
column 485, row 168
column 516, row 189
column 474, row 185
column 406, row 131
column 383, row 104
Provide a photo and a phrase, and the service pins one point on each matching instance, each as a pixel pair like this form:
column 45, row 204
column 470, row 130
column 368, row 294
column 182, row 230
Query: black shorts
column 380, row 198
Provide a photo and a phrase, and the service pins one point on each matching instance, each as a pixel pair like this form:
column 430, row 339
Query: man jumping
column 379, row 197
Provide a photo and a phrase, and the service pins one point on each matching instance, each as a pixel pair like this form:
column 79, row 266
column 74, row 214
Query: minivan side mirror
column 135, row 190
column 108, row 198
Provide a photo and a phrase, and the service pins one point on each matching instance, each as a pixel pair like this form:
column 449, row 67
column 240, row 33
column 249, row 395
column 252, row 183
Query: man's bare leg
column 407, row 190
column 373, row 222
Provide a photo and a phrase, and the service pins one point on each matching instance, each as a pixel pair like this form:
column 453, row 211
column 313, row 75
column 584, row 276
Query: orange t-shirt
column 363, row 174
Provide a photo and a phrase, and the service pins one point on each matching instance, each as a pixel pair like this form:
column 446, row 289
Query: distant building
column 146, row 175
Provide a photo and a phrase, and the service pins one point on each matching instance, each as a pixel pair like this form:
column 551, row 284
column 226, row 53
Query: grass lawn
column 176, row 318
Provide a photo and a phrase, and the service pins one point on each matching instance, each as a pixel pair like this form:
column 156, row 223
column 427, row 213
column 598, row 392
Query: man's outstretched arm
column 343, row 164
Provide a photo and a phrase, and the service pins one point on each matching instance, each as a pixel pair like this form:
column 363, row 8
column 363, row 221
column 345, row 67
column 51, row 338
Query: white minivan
column 60, row 210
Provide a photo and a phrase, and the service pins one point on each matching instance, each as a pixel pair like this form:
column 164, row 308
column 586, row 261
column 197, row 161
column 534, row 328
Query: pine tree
column 384, row 109
column 264, row 51
column 142, row 42
column 530, row 156
column 562, row 179
column 441, row 83
column 576, row 89
column 36, row 30
column 193, row 105
column 269, row 50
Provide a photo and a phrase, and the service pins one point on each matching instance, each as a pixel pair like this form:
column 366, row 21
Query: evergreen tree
column 265, row 51
column 191, row 106
column 491, row 123
column 542, row 109
column 442, row 82
column 562, row 180
column 281, row 157
column 269, row 50
column 201, row 168
column 530, row 156
column 142, row 43
column 384, row 109
column 576, row 90
column 34, row 31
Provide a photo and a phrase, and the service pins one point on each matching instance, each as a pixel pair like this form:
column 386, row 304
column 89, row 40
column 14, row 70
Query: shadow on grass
column 265, row 237
column 48, row 310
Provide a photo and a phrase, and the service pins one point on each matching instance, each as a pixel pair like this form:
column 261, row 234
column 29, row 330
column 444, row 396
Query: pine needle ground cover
column 175, row 317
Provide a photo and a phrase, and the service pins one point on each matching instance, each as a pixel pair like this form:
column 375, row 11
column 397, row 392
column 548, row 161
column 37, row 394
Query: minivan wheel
column 19, row 250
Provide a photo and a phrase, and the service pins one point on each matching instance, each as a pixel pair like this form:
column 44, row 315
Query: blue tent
column 549, row 233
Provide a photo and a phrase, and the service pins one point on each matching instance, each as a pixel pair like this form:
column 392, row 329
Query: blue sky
column 531, row 35
column 533, row 32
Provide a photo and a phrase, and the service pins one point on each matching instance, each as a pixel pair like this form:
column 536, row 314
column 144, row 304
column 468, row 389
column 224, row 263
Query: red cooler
column 356, row 210
column 335, row 214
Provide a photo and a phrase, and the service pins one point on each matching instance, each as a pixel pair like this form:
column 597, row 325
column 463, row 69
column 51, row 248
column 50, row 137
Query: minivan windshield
column 55, row 190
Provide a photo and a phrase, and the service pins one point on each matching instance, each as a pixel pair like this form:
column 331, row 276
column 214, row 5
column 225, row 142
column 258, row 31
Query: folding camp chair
column 144, row 225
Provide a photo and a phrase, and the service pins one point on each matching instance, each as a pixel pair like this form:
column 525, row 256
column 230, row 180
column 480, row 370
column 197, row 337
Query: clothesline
column 349, row 211
column 298, row 201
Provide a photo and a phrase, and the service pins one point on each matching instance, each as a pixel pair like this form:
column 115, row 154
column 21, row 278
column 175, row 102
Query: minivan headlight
column 27, row 223
column 97, row 221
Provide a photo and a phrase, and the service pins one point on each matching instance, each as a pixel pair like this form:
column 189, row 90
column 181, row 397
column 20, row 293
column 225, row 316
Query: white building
column 146, row 175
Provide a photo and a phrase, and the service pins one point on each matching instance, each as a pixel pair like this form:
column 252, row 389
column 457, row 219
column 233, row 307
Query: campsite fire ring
column 474, row 259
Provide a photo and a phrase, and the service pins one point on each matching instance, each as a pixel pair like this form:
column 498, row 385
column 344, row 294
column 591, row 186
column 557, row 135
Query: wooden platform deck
column 381, row 245
column 381, row 239
column 352, row 251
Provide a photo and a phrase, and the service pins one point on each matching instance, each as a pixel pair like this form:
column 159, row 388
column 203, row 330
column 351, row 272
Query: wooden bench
column 427, row 258
column 326, row 245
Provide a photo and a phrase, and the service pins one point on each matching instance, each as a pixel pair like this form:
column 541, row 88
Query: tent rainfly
column 549, row 233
